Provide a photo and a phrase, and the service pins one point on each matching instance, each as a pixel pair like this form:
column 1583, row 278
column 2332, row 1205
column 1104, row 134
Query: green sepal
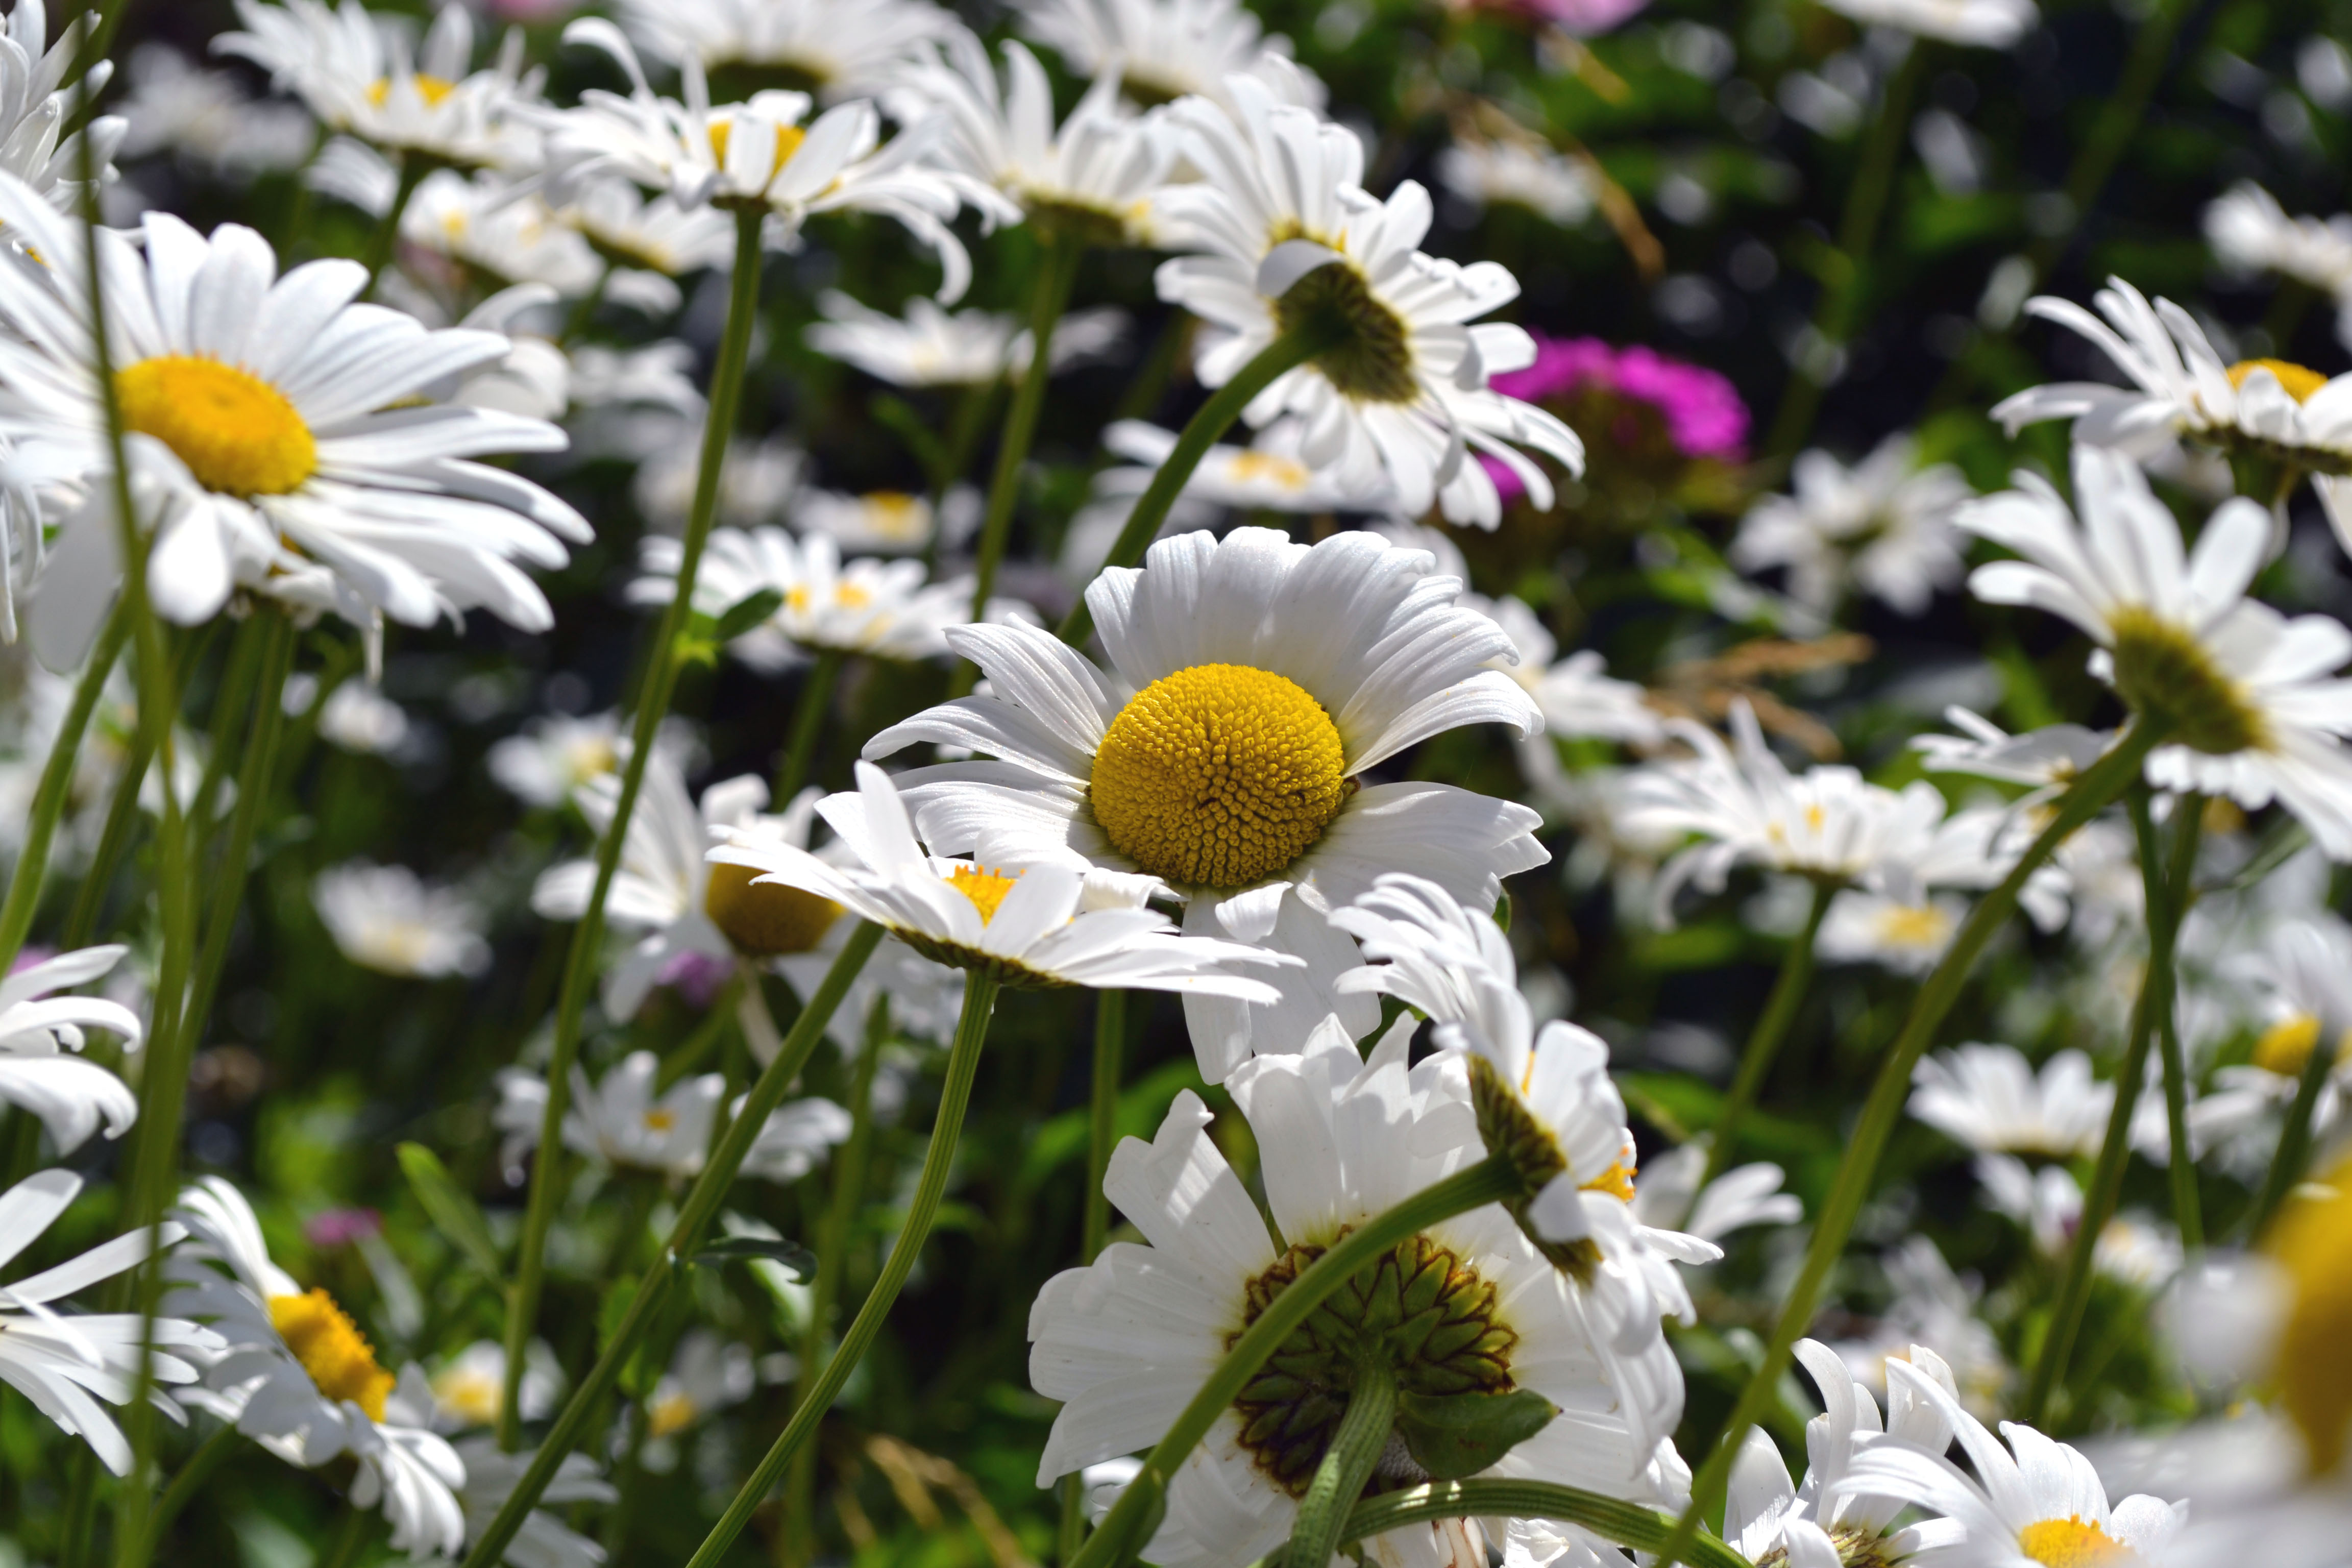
column 1456, row 1436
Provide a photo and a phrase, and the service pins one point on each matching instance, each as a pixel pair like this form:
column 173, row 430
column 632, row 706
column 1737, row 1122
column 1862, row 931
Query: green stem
column 2119, row 116
column 2173, row 895
column 2295, row 1137
column 653, row 702
column 1346, row 1465
column 228, row 705
column 1102, row 1131
column 50, row 795
column 1627, row 1523
column 113, row 839
column 809, row 713
column 583, row 310
column 1286, row 353
column 2098, row 785
column 1127, row 1528
column 75, row 1540
column 1771, row 1029
column 702, row 1203
column 964, row 1065
column 198, row 1470
column 350, row 1540
column 380, row 239
column 1865, row 202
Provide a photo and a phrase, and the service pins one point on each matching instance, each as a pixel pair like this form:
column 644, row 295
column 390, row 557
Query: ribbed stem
column 702, row 1203
column 1764, row 1042
column 964, row 1065
column 1346, row 1465
column 192, row 1474
column 2098, row 785
column 809, row 711
column 653, row 703
column 50, row 794
column 1627, row 1523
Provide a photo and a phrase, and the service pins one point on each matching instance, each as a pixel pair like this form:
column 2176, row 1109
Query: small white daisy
column 1667, row 1197
column 386, row 918
column 358, row 717
column 1908, row 935
column 545, row 765
column 657, row 235
column 469, row 1387
column 836, row 49
column 619, row 1119
column 205, row 118
column 932, row 347
column 2250, row 232
column 507, row 236
column 71, row 1097
column 1988, row 1099
column 888, row 522
column 1883, row 527
column 544, row 1541
column 1165, row 49
column 1553, row 187
column 1985, row 24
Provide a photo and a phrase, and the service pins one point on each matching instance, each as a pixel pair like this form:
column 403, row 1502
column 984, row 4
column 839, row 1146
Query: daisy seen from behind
column 71, row 1097
column 1310, row 666
column 1166, row 49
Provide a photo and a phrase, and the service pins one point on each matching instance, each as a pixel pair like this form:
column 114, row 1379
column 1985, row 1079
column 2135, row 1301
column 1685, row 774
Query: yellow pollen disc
column 237, row 434
column 2072, row 1543
column 1282, row 471
column 1617, row 1180
column 472, row 1396
column 764, row 920
column 1923, row 926
column 2312, row 1363
column 431, row 88
column 2286, row 1044
column 788, row 141
column 1219, row 775
column 671, row 1412
column 796, row 598
column 2298, row 382
column 850, row 597
column 661, row 1121
column 985, row 889
column 895, row 513
column 331, row 1350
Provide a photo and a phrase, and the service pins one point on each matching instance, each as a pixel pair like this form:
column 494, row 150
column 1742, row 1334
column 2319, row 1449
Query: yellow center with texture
column 2312, row 1366
column 2072, row 1543
column 1219, row 777
column 764, row 920
column 985, row 887
column 237, row 434
column 331, row 1349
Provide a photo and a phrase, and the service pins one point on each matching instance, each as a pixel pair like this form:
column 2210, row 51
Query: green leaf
column 1456, row 1436
column 779, row 1249
column 452, row 1213
column 745, row 613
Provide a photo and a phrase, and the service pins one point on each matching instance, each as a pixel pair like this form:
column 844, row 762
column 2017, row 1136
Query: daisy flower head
column 657, row 235
column 2044, row 760
column 34, row 109
column 1547, row 183
column 888, row 522
column 1284, row 239
column 485, row 224
column 1882, row 527
column 1167, row 49
column 470, row 1388
column 1984, row 23
column 1907, row 935
column 207, row 120
column 1126, row 1342
column 67, row 1363
column 1253, row 683
column 1576, row 696
column 275, row 432
column 824, row 604
column 544, row 1542
column 357, row 74
column 71, row 1097
column 2265, row 409
column 1038, row 926
column 2250, row 233
column 387, row 919
column 544, row 764
column 927, row 347
column 619, row 1119
column 2302, row 972
column 1989, row 1099
column 835, row 49
column 2252, row 709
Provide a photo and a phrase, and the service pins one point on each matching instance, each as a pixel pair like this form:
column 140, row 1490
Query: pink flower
column 1703, row 413
column 1584, row 18
column 696, row 976
column 337, row 1228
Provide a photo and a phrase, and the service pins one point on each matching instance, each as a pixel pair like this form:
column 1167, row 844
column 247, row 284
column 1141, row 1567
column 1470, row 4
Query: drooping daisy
column 835, row 49
column 296, row 1375
column 1308, row 666
column 932, row 347
column 67, row 1363
column 1165, row 49
column 71, row 1097
column 883, row 608
column 795, row 1138
column 2255, row 708
column 1126, row 1342
column 1883, row 527
column 2181, row 388
column 1482, row 174
column 260, row 410
column 1988, row 1099
column 677, row 907
column 385, row 918
column 506, row 235
column 34, row 109
column 1985, row 24
column 706, row 1375
column 2046, row 760
column 357, row 76
column 2250, row 232
column 1043, row 926
column 1285, row 237
column 357, row 717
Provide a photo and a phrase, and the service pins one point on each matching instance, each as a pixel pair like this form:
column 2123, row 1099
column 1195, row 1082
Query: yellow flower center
column 2312, row 1363
column 661, row 1121
column 2070, row 1542
column 236, row 432
column 850, row 597
column 788, row 141
column 331, row 1350
column 431, row 88
column 671, row 1412
column 764, row 920
column 1617, row 1180
column 470, row 1395
column 1219, row 775
column 2162, row 669
column 897, row 515
column 1282, row 471
column 1922, row 925
column 2286, row 1047
column 2297, row 381
column 985, row 889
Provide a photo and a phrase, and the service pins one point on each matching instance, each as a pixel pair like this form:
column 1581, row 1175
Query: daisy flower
column 1907, row 935
column 543, row 1541
column 884, row 608
column 1553, row 187
column 356, row 717
column 1883, row 527
column 1988, row 1099
column 2302, row 973
column 2031, row 1504
column 1930, row 1305
column 678, row 907
column 70, row 1097
column 469, row 1387
column 1093, row 179
column 555, row 754
column 1166, row 49
column 387, row 918
column 1044, row 926
column 1285, row 238
column 891, row 522
column 619, row 1119
column 2045, row 759
column 706, row 1376
column 296, row 1375
column 270, row 420
column 205, row 118
column 1985, row 24
column 1306, row 665
column 1578, row 699
column 835, row 49
column 66, row 1363
column 2254, row 710
column 2250, row 232
column 506, row 235
column 1126, row 1342
column 657, row 235
column 1667, row 1197
column 932, row 347
column 357, row 74
column 756, row 479
column 2181, row 387
column 33, row 109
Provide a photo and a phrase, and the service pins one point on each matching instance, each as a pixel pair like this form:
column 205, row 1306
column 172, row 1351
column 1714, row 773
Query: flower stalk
column 1102, row 1131
column 2293, row 1150
column 1771, row 1029
column 413, row 167
column 653, row 702
column 1338, row 1482
column 1626, row 1523
column 2176, row 893
column 50, row 795
column 809, row 711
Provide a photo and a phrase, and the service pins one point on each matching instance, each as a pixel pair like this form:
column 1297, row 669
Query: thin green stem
column 583, row 310
column 228, row 704
column 1764, row 1042
column 964, row 1065
column 653, row 702
column 1347, row 1465
column 1627, row 1523
column 1287, row 353
column 113, row 839
column 198, row 1468
column 413, row 170
column 351, row 1538
column 2295, row 1138
column 74, row 1543
column 2173, row 893
column 2090, row 792
column 1102, row 1131
column 50, row 795
column 785, row 1059
column 1128, row 1527
column 809, row 713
